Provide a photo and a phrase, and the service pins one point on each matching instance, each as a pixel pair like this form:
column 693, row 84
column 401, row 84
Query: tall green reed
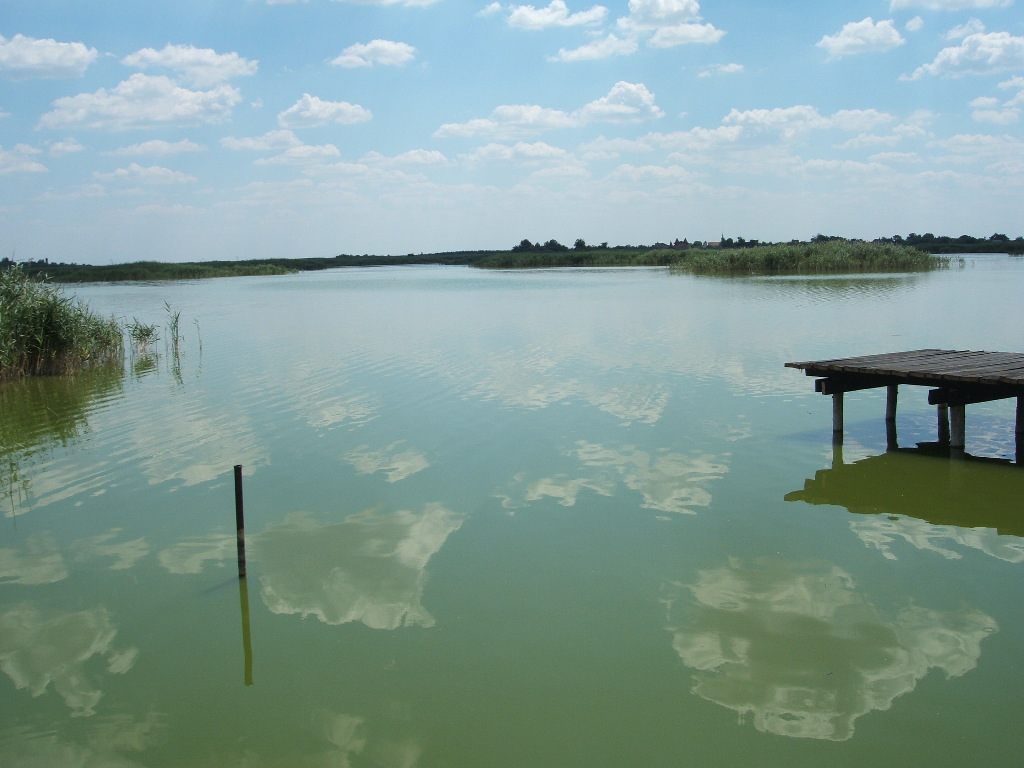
column 46, row 332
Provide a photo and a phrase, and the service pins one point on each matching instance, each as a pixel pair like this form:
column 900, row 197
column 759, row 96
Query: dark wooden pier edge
column 958, row 378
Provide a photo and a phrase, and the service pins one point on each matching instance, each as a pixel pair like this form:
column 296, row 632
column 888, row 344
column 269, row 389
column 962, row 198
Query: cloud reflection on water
column 105, row 744
column 667, row 481
column 800, row 650
column 880, row 532
column 397, row 464
column 42, row 561
column 192, row 555
column 37, row 651
column 370, row 568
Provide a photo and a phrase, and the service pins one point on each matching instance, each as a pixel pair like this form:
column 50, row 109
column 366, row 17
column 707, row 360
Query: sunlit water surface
column 546, row 518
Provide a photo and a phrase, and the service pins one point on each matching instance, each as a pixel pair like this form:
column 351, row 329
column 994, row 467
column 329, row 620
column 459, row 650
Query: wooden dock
column 958, row 378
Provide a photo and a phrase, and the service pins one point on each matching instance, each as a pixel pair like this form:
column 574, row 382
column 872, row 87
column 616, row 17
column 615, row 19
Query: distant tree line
column 996, row 243
column 525, row 254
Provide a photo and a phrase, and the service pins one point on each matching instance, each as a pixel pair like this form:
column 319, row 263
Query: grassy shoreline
column 828, row 257
column 45, row 332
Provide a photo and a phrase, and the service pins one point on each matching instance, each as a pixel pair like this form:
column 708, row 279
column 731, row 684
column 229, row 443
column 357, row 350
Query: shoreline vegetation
column 822, row 254
column 43, row 331
column 829, row 257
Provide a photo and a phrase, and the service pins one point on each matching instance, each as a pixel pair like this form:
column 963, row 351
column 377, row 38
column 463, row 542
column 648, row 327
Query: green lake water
column 543, row 519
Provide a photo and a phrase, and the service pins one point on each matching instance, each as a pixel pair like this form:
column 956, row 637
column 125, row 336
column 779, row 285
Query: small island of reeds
column 45, row 332
column 820, row 257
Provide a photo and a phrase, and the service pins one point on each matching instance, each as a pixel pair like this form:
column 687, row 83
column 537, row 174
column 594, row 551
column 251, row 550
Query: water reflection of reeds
column 831, row 288
column 40, row 413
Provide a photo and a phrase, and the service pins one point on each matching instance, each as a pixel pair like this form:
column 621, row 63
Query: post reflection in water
column 800, row 650
column 243, row 603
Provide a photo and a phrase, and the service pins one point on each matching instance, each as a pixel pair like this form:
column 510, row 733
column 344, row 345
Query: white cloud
column 1017, row 83
column 788, row 120
column 384, row 52
column 159, row 147
column 971, row 27
column 311, row 111
column 490, row 10
column 793, row 121
column 858, row 119
column 862, row 37
column 895, row 157
column 672, row 22
column 626, row 102
column 948, row 5
column 142, row 101
column 915, row 24
column 697, row 139
column 656, row 14
column 24, row 57
column 19, row 160
column 66, row 147
column 556, row 14
column 639, row 173
column 977, row 54
column 403, row 3
column 602, row 48
column 987, row 109
column 604, row 148
column 153, row 174
column 510, row 121
column 537, row 152
column 682, row 34
column 720, row 69
column 303, row 154
column 200, row 66
column 268, row 142
column 412, row 157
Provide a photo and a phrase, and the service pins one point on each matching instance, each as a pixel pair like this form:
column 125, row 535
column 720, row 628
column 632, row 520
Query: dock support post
column 240, row 521
column 837, row 417
column 957, row 427
column 891, row 395
column 942, row 411
column 1019, row 431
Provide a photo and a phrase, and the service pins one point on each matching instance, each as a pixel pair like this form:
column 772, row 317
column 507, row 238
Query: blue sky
column 227, row 129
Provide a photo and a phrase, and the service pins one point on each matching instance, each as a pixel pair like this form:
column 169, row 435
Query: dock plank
column 926, row 366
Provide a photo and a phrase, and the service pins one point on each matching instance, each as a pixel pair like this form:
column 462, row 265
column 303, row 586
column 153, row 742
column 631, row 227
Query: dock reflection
column 918, row 496
column 910, row 481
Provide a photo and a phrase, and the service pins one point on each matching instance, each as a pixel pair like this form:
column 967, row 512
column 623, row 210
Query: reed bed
column 834, row 256
column 45, row 332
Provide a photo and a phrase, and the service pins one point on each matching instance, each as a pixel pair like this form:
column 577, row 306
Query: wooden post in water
column 1019, row 431
column 891, row 395
column 892, row 392
column 957, row 427
column 240, row 521
column 942, row 412
column 837, row 417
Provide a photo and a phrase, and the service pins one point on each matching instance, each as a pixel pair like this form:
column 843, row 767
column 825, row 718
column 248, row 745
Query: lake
column 514, row 519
